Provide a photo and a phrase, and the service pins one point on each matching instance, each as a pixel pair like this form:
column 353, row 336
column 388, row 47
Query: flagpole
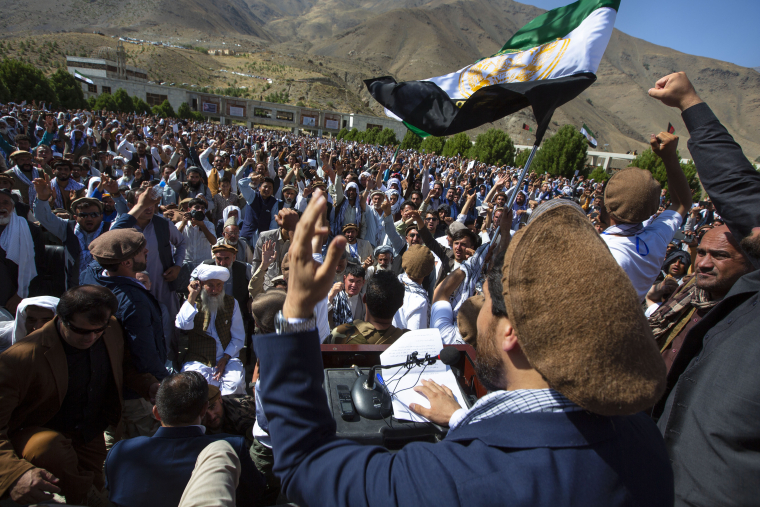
column 522, row 177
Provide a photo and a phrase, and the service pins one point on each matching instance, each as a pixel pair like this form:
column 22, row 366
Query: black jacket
column 710, row 410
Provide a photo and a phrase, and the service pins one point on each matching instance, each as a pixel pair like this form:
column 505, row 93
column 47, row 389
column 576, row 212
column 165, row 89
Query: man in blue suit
column 153, row 471
column 568, row 373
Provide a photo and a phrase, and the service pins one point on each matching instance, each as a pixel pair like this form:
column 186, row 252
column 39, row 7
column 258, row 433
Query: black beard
column 488, row 367
column 194, row 187
column 108, row 210
column 751, row 245
column 26, row 167
column 62, row 179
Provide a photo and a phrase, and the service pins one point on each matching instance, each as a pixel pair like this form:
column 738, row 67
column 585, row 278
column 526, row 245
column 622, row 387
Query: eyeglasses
column 79, row 330
column 412, row 235
column 431, row 219
column 94, row 214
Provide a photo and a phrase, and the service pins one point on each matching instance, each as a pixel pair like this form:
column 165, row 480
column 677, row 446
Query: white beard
column 211, row 304
column 6, row 220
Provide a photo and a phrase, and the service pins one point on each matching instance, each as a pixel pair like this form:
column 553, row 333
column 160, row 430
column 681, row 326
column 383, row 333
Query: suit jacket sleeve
column 14, row 383
column 729, row 178
column 317, row 468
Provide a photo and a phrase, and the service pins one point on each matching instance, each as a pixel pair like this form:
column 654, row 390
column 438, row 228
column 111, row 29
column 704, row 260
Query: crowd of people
column 165, row 285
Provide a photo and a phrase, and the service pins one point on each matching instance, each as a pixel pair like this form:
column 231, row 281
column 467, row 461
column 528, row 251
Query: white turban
column 49, row 302
column 352, row 185
column 208, row 272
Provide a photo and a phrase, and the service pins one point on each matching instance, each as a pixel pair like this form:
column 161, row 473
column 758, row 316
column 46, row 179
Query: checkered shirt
column 520, row 401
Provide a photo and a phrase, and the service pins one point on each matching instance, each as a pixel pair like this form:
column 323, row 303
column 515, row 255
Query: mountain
column 342, row 42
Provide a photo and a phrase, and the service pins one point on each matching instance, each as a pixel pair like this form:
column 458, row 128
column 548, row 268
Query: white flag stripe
column 578, row 52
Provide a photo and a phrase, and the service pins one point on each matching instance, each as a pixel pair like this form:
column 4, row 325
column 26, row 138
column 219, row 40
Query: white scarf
column 72, row 185
column 19, row 328
column 20, row 175
column 16, row 240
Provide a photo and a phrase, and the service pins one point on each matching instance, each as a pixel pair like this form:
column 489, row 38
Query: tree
column 387, row 137
column 411, row 141
column 458, row 144
column 5, row 93
column 124, row 103
column 493, row 147
column 651, row 162
column 369, row 136
column 353, row 135
column 343, row 133
column 433, row 144
column 562, row 154
column 164, row 110
column 599, row 174
column 521, row 158
column 105, row 101
column 184, row 111
column 68, row 90
column 140, row 105
column 25, row 82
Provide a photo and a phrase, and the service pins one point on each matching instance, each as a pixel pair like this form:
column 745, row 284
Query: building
column 229, row 109
column 110, row 64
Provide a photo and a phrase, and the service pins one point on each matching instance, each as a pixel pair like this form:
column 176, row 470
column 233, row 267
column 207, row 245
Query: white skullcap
column 208, row 272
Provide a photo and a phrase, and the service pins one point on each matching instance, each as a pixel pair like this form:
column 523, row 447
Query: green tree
column 353, row 135
column 411, row 141
column 140, row 105
column 67, row 89
column 458, row 144
column 493, row 147
column 164, row 110
column 184, row 112
column 387, row 137
column 562, row 154
column 651, row 162
column 521, row 158
column 343, row 133
column 433, row 144
column 5, row 93
column 599, row 174
column 124, row 103
column 25, row 82
column 370, row 136
column 105, row 101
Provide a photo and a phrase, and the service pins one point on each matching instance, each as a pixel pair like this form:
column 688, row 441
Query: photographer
column 197, row 231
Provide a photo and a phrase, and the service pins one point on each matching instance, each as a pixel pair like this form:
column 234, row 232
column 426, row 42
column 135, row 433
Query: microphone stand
column 371, row 399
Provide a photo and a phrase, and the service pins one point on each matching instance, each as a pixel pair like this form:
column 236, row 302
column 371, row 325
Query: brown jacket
column 33, row 382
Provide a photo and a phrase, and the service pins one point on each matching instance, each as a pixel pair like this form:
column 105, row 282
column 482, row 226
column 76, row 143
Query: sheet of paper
column 401, row 381
column 175, row 127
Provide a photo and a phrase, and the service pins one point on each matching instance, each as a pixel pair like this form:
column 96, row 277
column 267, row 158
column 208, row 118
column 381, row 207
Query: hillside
column 319, row 51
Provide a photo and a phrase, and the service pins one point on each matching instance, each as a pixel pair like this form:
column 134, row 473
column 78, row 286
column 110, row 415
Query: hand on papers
column 442, row 403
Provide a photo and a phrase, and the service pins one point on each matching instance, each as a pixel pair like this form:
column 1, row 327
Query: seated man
column 31, row 314
column 216, row 331
column 345, row 299
column 60, row 388
column 382, row 300
column 383, row 256
column 564, row 411
column 154, row 470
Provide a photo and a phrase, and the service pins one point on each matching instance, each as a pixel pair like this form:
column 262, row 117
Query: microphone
column 449, row 356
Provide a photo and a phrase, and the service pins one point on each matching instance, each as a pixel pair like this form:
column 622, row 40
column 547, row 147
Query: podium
column 338, row 362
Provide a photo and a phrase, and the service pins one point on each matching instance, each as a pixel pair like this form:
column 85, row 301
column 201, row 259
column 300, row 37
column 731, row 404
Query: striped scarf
column 71, row 185
column 26, row 181
column 342, row 309
column 85, row 238
column 668, row 315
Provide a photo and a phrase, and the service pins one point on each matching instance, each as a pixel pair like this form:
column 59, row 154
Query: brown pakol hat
column 213, row 394
column 632, row 195
column 91, row 201
column 222, row 247
column 608, row 366
column 117, row 245
column 265, row 306
column 418, row 261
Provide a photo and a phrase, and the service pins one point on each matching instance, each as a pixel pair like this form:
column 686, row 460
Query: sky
column 727, row 30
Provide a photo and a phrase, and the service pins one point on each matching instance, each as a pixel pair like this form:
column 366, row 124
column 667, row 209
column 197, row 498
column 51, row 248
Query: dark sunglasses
column 94, row 214
column 79, row 330
column 431, row 219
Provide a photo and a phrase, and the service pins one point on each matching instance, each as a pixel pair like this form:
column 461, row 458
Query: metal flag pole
column 522, row 177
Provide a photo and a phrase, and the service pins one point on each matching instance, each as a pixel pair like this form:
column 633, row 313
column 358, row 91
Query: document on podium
column 401, row 381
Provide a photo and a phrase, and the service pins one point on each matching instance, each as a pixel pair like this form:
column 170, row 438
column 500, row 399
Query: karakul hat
column 632, row 195
column 265, row 306
column 467, row 319
column 117, row 245
column 418, row 261
column 230, row 221
column 609, row 366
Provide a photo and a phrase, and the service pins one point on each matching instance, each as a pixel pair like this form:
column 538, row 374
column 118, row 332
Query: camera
column 197, row 215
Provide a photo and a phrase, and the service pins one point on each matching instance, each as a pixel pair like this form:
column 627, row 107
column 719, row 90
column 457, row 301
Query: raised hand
column 310, row 281
column 267, row 253
column 42, row 187
column 664, row 145
column 675, row 90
